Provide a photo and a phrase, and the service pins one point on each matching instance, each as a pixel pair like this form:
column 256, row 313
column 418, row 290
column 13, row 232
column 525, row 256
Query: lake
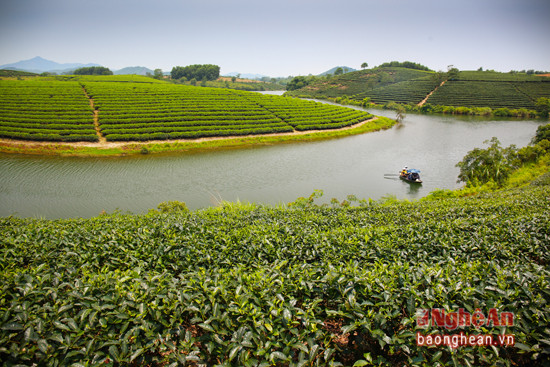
column 63, row 187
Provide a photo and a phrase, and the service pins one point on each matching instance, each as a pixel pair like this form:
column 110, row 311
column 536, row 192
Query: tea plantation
column 386, row 85
column 300, row 285
column 132, row 108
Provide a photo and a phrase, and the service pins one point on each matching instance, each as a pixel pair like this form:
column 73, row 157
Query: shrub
column 172, row 206
column 543, row 133
column 481, row 166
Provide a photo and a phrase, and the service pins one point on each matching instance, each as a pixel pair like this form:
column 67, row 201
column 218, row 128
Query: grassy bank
column 93, row 149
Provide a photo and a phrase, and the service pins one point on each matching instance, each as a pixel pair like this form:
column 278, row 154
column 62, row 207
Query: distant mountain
column 346, row 69
column 40, row 65
column 133, row 70
column 246, row 76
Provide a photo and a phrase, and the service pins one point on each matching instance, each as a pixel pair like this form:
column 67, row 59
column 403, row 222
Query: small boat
column 410, row 175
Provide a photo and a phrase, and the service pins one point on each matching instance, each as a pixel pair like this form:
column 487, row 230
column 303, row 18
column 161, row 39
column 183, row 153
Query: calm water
column 53, row 187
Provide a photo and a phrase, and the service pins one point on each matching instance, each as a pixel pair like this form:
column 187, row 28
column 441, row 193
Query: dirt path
column 429, row 94
column 96, row 118
column 104, row 144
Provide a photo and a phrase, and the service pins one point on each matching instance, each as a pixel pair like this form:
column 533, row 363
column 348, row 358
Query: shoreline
column 110, row 149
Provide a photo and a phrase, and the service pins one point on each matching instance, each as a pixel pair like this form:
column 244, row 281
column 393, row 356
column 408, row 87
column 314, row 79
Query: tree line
column 198, row 72
column 93, row 70
column 405, row 64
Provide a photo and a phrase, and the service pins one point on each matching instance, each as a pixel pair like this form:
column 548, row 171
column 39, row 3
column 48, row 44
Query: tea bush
column 253, row 285
column 45, row 110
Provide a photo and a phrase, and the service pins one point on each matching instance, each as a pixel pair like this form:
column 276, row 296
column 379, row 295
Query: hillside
column 135, row 108
column 242, row 83
column 470, row 88
column 345, row 69
column 136, row 70
column 259, row 285
column 14, row 73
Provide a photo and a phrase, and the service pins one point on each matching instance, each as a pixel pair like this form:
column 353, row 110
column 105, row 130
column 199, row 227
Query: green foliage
column 256, row 285
column 172, row 207
column 473, row 93
column 405, row 64
column 543, row 133
column 543, row 106
column 15, row 73
column 45, row 111
column 513, row 95
column 93, row 70
column 158, row 74
column 166, row 111
column 197, row 72
column 531, row 153
column 494, row 164
column 238, row 85
column 371, row 83
column 399, row 113
column 140, row 108
column 297, row 83
column 453, row 74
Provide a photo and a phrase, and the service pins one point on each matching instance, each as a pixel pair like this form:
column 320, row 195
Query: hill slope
column 359, row 82
column 470, row 88
column 345, row 69
column 134, row 70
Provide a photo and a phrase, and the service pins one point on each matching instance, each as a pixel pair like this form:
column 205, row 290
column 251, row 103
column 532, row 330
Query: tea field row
column 53, row 111
column 465, row 89
column 57, row 110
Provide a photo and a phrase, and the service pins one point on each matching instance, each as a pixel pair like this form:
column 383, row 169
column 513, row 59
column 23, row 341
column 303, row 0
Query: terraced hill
column 408, row 86
column 491, row 89
column 133, row 108
column 359, row 83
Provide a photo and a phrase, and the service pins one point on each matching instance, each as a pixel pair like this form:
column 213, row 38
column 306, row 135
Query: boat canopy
column 413, row 170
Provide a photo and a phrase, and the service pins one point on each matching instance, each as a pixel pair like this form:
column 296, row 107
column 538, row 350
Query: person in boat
column 404, row 171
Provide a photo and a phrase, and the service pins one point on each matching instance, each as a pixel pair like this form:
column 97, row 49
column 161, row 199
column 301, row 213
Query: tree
column 364, row 65
column 199, row 72
column 543, row 133
column 481, row 166
column 157, row 74
column 452, row 74
column 543, row 106
column 405, row 64
column 233, row 78
column 438, row 77
column 297, row 83
column 93, row 70
column 339, row 71
column 399, row 113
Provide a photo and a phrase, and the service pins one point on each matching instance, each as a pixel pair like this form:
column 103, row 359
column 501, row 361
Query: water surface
column 62, row 187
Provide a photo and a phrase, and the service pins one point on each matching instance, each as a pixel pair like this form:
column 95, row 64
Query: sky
column 279, row 38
